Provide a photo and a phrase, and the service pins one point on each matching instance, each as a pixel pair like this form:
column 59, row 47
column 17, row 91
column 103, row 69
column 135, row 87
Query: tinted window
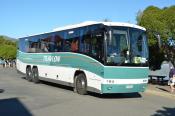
column 47, row 43
column 71, row 43
column 92, row 42
column 117, row 46
column 127, row 47
column 139, row 49
column 58, row 42
column 51, row 42
column 23, row 44
column 33, row 44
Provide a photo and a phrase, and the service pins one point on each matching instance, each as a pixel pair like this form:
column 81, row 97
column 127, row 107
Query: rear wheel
column 29, row 74
column 81, row 84
column 35, row 78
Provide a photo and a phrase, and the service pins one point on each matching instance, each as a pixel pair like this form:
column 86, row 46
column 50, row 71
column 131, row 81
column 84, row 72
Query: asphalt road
column 18, row 97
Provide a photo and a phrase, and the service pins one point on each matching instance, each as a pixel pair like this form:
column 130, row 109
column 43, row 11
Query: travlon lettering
column 51, row 58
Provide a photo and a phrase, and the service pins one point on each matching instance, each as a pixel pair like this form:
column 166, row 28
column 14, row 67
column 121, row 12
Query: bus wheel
column 35, row 78
column 29, row 74
column 81, row 84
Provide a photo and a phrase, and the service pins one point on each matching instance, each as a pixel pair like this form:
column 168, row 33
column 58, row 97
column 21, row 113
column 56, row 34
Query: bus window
column 72, row 41
column 139, row 50
column 97, row 45
column 44, row 47
column 85, row 44
column 46, row 44
column 74, row 45
column 67, row 46
column 117, row 47
column 33, row 45
column 92, row 45
column 23, row 45
column 58, row 41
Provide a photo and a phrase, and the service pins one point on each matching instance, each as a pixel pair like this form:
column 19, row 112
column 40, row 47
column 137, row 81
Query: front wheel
column 81, row 84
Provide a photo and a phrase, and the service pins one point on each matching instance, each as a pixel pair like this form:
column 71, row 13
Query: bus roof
column 88, row 23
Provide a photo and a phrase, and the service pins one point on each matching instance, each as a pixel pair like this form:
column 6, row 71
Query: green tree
column 7, row 48
column 162, row 22
column 139, row 16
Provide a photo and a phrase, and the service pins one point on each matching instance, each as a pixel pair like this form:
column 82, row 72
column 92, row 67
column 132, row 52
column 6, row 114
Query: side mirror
column 157, row 35
column 159, row 40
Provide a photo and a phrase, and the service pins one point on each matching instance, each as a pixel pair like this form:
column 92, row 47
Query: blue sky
column 25, row 17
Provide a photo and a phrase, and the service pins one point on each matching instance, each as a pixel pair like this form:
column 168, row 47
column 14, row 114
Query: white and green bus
column 101, row 57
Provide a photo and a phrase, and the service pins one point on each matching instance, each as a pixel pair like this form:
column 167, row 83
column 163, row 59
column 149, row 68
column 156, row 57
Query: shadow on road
column 58, row 85
column 116, row 95
column 23, row 78
column 103, row 96
column 165, row 90
column 13, row 107
column 165, row 112
column 1, row 90
column 53, row 84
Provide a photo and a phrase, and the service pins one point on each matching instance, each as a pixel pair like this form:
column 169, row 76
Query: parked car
column 164, row 71
column 2, row 62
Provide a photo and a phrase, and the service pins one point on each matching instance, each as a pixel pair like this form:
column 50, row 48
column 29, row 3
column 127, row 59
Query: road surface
column 18, row 97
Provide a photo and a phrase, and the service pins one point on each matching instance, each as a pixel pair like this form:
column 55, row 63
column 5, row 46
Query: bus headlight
column 109, row 88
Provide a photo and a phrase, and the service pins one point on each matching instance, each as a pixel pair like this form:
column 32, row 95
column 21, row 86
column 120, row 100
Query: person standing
column 172, row 79
column 3, row 63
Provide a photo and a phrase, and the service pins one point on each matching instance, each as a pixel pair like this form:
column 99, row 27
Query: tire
column 80, row 84
column 29, row 74
column 35, row 78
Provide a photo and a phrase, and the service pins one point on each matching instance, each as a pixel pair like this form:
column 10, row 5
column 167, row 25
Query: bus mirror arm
column 158, row 40
column 157, row 35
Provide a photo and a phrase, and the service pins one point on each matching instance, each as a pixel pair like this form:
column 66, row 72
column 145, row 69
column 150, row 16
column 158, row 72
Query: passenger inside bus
column 44, row 47
column 58, row 47
column 74, row 46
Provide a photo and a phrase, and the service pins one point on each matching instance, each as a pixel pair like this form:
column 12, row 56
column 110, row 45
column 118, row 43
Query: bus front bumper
column 123, row 88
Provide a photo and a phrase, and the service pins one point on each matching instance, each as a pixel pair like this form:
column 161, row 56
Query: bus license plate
column 129, row 86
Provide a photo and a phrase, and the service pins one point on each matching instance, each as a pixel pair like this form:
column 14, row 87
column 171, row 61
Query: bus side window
column 32, row 47
column 74, row 45
column 96, row 45
column 46, row 44
column 58, row 43
column 45, row 47
column 85, row 44
column 67, row 46
column 73, row 38
column 58, row 46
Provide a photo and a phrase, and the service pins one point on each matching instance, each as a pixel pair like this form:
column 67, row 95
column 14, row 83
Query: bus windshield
column 127, row 46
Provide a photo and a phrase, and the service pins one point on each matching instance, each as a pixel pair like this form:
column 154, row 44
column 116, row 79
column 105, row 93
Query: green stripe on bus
column 84, row 62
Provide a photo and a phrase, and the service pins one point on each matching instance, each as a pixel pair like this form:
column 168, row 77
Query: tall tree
column 162, row 22
column 139, row 16
column 7, row 48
